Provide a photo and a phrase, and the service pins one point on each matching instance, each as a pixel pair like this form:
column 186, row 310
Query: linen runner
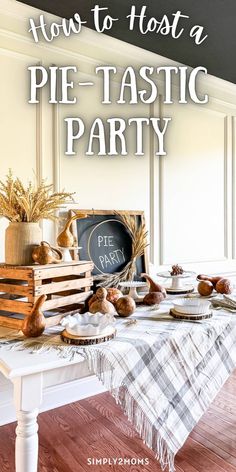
column 164, row 373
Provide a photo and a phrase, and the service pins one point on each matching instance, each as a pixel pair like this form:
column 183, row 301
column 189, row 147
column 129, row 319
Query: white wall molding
column 39, row 117
column 56, row 149
column 233, row 178
column 218, row 113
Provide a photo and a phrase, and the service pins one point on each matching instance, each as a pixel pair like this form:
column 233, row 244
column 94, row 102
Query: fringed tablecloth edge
column 100, row 365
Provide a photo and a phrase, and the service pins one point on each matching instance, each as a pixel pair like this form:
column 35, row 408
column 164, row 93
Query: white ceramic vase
column 20, row 239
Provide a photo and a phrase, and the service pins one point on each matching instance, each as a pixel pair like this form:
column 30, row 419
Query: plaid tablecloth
column 164, row 373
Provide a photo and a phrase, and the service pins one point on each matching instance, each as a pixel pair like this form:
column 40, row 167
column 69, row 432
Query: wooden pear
column 46, row 254
column 66, row 238
column 153, row 286
column 34, row 324
column 101, row 305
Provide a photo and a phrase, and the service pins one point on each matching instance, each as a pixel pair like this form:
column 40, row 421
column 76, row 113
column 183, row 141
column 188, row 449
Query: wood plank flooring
column 96, row 428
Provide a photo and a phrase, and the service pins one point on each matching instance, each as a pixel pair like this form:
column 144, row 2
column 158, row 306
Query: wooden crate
column 66, row 284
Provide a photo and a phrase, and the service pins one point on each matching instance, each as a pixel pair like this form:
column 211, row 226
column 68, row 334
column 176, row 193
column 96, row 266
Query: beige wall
column 188, row 196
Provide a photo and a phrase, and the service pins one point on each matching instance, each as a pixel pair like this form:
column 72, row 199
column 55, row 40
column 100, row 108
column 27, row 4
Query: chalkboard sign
column 106, row 241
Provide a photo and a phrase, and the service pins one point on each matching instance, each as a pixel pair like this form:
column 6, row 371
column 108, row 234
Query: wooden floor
column 95, row 427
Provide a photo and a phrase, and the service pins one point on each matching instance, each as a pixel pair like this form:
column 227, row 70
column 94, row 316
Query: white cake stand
column 66, row 255
column 133, row 289
column 177, row 286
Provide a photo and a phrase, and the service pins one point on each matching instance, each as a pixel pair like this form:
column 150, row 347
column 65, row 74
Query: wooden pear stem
column 68, row 224
column 153, row 286
column 39, row 303
column 74, row 217
column 65, row 238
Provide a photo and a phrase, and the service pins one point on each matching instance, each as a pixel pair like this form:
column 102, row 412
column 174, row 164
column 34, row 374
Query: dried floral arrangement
column 138, row 235
column 31, row 203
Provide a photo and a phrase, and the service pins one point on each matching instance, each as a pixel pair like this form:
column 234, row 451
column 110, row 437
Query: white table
column 29, row 373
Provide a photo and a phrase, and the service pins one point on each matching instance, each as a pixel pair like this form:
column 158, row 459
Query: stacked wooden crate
column 66, row 284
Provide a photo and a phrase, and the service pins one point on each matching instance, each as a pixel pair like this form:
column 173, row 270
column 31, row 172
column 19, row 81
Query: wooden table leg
column 27, row 396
